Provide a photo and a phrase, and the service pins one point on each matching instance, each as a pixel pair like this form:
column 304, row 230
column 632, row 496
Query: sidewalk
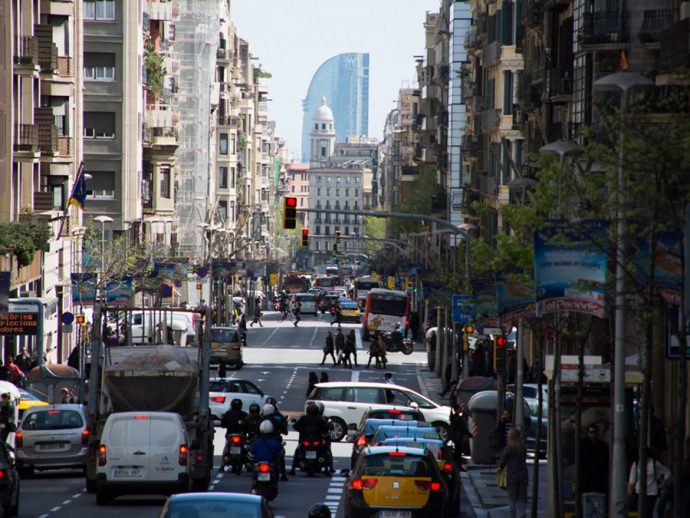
column 479, row 481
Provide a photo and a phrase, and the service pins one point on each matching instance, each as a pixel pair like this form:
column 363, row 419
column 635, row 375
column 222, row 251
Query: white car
column 307, row 303
column 345, row 403
column 223, row 390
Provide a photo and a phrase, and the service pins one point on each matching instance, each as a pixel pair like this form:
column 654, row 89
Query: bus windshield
column 388, row 304
column 367, row 285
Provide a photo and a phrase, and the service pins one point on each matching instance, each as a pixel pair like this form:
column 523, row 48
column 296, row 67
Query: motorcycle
column 234, row 452
column 265, row 481
column 394, row 345
column 312, row 455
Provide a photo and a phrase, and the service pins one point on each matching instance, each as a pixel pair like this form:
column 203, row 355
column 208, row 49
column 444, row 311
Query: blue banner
column 119, row 293
column 667, row 263
column 514, row 298
column 84, row 289
column 463, row 309
column 570, row 268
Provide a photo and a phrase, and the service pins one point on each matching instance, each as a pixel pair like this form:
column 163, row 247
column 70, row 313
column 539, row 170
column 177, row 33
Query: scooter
column 403, row 345
column 234, row 452
column 311, row 455
column 265, row 481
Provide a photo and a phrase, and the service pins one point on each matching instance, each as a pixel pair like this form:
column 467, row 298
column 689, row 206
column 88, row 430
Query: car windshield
column 400, row 464
column 213, row 509
column 224, row 334
column 53, row 420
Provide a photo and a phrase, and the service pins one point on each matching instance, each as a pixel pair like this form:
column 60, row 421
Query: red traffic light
column 305, row 231
column 291, row 201
column 501, row 341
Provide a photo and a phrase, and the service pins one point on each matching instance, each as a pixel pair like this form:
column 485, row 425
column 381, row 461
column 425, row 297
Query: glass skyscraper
column 344, row 81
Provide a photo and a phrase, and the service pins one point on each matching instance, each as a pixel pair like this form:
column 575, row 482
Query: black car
column 9, row 481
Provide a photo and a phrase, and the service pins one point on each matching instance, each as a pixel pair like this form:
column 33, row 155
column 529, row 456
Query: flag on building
column 624, row 61
column 78, row 196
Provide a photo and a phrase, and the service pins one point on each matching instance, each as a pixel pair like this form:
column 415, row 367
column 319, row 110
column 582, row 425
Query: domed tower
column 322, row 135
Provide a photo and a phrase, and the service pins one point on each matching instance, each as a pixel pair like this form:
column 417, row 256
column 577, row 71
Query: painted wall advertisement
column 570, row 267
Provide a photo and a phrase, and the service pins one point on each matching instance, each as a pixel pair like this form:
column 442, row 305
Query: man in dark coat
column 595, row 462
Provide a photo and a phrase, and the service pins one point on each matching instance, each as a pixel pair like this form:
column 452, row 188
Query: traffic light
column 80, row 319
column 290, row 212
column 500, row 343
column 335, row 248
column 305, row 237
column 467, row 331
column 337, row 236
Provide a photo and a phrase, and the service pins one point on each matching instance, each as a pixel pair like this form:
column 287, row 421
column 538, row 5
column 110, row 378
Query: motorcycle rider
column 310, row 426
column 235, row 422
column 266, row 448
column 397, row 335
column 279, row 426
column 253, row 421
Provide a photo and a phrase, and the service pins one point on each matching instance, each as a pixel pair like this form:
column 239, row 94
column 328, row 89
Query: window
column 99, row 10
column 223, row 144
column 323, row 126
column 507, row 92
column 318, row 191
column 347, row 191
column 316, row 126
column 223, row 177
column 99, row 125
column 222, row 211
column 318, row 230
column 301, row 202
column 102, row 185
column 347, row 231
column 323, row 151
column 293, row 188
column 99, row 66
column 337, row 192
column 165, row 182
column 365, row 395
column 397, row 398
column 233, row 178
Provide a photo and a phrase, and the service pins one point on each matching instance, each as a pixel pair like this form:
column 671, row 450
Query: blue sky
column 293, row 37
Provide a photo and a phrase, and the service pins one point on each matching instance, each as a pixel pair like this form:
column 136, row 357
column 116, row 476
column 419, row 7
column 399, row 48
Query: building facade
column 344, row 81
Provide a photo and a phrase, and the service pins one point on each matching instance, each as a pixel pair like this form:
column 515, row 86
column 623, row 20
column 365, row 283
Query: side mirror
column 350, row 437
column 352, row 426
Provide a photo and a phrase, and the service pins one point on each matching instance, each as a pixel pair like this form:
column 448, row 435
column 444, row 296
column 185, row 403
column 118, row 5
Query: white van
column 307, row 302
column 142, row 453
column 144, row 325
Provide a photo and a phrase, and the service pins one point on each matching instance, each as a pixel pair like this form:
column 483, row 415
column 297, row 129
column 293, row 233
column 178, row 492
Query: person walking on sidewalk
column 339, row 346
column 351, row 346
column 514, row 459
column 328, row 349
column 257, row 314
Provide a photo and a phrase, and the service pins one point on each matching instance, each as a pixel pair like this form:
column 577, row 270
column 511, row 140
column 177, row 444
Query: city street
column 279, row 358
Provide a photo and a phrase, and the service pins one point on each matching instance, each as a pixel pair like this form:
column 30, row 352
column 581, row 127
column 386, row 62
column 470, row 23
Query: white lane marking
column 358, row 339
column 355, row 376
column 334, row 493
column 77, row 495
column 338, row 490
column 43, row 516
column 313, row 337
column 55, row 509
column 66, row 502
column 270, row 336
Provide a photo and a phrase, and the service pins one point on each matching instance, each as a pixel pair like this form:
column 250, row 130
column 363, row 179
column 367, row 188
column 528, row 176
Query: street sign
column 22, row 319
column 67, row 318
column 463, row 309
column 67, row 328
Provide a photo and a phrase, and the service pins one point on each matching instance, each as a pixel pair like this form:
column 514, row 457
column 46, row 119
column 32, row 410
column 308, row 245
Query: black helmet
column 272, row 401
column 312, row 410
column 319, row 406
column 236, row 404
column 254, row 408
column 319, row 511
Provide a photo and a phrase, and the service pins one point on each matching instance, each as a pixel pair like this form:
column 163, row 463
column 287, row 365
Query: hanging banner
column 667, row 263
column 514, row 299
column 119, row 292
column 569, row 267
column 84, row 289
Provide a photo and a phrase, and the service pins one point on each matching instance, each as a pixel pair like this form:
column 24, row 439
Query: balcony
column 488, row 186
column 489, row 120
column 605, row 28
column 65, row 146
column 469, row 146
column 25, row 138
column 655, row 22
column 26, row 52
column 43, row 201
column 491, row 53
column 64, row 66
column 561, row 81
column 227, row 120
column 675, row 47
column 159, row 116
column 47, row 56
column 47, row 138
column 159, row 10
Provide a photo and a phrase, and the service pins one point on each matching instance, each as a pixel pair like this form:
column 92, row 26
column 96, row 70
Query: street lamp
column 103, row 220
column 621, row 82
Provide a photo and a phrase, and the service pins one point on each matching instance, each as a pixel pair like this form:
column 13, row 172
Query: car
column 530, row 393
column 28, row 400
column 349, row 310
column 142, row 453
column 362, row 437
column 225, row 505
column 327, row 304
column 226, row 346
column 346, row 402
column 223, row 390
column 307, row 303
column 409, row 431
column 396, row 481
column 50, row 437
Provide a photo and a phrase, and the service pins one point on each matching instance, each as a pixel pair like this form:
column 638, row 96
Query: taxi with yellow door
column 396, row 482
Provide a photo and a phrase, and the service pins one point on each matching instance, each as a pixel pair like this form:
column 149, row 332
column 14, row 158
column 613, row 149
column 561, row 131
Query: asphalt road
column 279, row 357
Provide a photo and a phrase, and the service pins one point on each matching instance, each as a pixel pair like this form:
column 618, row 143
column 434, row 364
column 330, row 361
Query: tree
column 23, row 239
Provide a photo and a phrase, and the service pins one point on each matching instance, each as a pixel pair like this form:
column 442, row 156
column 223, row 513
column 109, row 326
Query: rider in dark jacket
column 235, row 422
column 311, row 426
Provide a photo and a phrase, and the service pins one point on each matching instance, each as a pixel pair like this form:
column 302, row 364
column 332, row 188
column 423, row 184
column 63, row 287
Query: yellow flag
column 624, row 61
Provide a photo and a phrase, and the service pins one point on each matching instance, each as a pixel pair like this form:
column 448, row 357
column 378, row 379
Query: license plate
column 310, row 454
column 127, row 473
column 395, row 514
column 264, row 477
column 51, row 446
column 235, row 450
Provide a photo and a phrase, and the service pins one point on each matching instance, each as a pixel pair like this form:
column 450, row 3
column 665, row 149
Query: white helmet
column 266, row 427
column 268, row 409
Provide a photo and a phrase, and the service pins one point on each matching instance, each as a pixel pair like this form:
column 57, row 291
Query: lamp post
column 103, row 220
column 621, row 82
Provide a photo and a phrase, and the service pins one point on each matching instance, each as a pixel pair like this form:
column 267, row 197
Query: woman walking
column 351, row 346
column 313, row 380
column 382, row 352
column 374, row 352
column 514, row 459
column 328, row 349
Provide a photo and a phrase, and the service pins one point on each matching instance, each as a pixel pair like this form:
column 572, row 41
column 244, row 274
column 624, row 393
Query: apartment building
column 40, row 153
column 297, row 185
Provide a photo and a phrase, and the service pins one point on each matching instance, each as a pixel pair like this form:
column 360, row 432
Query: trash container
column 430, row 341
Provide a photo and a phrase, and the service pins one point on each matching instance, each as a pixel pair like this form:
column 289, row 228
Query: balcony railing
column 491, row 53
column 561, row 81
column 47, row 138
column 43, row 201
column 25, row 137
column 605, row 27
column 47, row 56
column 489, row 120
column 488, row 185
column 655, row 21
column 65, row 66
column 468, row 146
column 675, row 46
column 27, row 51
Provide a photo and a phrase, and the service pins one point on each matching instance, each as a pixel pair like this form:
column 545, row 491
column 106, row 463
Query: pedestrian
column 257, row 314
column 382, row 352
column 503, row 428
column 242, row 326
column 338, row 313
column 457, row 430
column 414, row 325
column 666, row 497
column 7, row 416
column 374, row 352
column 388, row 378
column 324, row 377
column 222, row 369
column 657, row 474
column 23, row 360
column 296, row 312
column 313, row 380
column 594, row 471
column 14, row 374
column 339, row 346
column 534, row 371
column 351, row 346
column 328, row 348
column 514, row 460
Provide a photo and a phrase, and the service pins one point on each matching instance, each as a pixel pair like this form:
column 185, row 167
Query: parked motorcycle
column 265, row 481
column 394, row 345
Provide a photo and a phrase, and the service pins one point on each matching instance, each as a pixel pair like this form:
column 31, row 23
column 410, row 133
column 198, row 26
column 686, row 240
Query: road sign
column 67, row 328
column 463, row 309
column 67, row 318
column 592, row 374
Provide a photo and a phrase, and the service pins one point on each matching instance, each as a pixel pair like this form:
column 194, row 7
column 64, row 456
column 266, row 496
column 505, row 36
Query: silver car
column 54, row 436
